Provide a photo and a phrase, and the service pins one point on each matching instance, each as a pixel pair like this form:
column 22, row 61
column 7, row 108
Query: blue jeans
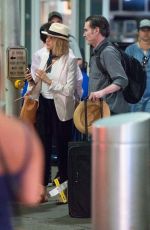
column 142, row 106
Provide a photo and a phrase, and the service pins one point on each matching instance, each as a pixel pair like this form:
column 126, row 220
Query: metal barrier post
column 120, row 172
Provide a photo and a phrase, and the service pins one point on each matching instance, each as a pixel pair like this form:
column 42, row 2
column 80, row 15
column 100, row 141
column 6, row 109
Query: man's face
column 90, row 34
column 55, row 19
column 144, row 34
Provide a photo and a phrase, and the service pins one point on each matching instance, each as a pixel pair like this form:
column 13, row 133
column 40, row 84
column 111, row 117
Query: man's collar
column 94, row 51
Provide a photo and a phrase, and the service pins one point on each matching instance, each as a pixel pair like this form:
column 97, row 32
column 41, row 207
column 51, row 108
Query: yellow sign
column 17, row 62
column 19, row 84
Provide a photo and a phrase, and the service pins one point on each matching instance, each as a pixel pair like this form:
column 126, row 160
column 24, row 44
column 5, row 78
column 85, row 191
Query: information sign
column 17, row 62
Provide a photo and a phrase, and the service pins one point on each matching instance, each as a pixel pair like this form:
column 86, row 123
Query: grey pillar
column 10, row 37
column 120, row 172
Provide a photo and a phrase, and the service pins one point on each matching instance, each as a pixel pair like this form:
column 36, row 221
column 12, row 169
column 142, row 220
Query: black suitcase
column 79, row 176
column 79, row 179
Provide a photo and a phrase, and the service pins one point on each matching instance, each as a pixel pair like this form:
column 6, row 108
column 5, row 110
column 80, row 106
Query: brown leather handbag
column 29, row 109
column 30, row 104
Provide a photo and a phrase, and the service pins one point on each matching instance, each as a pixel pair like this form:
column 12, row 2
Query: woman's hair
column 60, row 47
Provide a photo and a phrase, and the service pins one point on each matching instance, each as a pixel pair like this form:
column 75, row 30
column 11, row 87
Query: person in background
column 36, row 60
column 21, row 167
column 85, row 80
column 57, row 100
column 96, row 33
column 141, row 51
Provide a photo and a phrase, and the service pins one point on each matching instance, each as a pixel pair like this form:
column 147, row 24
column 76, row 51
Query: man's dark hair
column 44, row 27
column 101, row 22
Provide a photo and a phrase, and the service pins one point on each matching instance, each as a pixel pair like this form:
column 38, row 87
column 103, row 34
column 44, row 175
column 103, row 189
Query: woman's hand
column 43, row 76
column 28, row 77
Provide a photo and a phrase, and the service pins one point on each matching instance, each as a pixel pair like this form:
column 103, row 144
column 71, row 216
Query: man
column 55, row 16
column 96, row 33
column 141, row 51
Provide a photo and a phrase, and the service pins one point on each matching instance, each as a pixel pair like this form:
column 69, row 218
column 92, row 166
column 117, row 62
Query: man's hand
column 103, row 92
column 94, row 96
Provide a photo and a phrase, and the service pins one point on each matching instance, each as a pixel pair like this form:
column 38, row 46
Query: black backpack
column 134, row 70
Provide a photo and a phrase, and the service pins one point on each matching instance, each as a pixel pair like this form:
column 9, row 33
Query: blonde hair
column 60, row 47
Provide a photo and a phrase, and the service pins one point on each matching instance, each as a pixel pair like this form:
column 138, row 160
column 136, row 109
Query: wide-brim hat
column 58, row 30
column 95, row 111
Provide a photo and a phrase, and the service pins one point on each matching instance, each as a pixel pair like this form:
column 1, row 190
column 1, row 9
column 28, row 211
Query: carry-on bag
column 79, row 175
column 79, row 179
column 79, row 159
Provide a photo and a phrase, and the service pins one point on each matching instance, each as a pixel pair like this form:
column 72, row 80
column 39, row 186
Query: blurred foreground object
column 120, row 172
column 21, row 167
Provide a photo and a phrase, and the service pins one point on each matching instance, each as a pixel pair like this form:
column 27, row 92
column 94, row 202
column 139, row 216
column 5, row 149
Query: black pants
column 51, row 128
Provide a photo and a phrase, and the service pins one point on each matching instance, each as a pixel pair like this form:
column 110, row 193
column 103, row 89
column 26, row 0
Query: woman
column 56, row 101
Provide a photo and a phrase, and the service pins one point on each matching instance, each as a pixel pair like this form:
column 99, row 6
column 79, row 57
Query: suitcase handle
column 101, row 107
column 85, row 118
